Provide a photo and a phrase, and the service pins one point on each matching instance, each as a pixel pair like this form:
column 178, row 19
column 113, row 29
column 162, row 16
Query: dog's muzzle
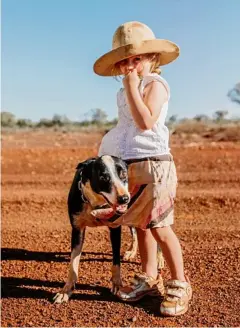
column 122, row 200
column 120, row 208
column 122, row 204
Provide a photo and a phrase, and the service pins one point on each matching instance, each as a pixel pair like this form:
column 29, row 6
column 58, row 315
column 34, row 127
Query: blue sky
column 49, row 47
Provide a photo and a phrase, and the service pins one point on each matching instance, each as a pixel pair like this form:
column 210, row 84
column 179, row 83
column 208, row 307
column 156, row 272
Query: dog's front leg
column 76, row 246
column 115, row 236
column 132, row 252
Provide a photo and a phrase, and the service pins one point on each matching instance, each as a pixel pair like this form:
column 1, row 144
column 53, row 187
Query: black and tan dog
column 98, row 182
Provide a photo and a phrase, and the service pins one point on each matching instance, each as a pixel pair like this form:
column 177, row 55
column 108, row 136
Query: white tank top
column 126, row 140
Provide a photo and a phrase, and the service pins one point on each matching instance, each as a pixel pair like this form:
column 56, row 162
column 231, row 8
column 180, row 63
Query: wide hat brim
column 105, row 65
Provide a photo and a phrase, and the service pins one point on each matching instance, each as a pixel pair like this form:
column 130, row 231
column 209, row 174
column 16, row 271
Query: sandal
column 142, row 285
column 176, row 299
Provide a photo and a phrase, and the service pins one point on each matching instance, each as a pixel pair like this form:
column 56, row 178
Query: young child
column 142, row 139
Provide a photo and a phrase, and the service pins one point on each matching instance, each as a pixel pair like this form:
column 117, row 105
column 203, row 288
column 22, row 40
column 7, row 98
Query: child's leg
column 148, row 282
column 171, row 249
column 148, row 252
column 178, row 291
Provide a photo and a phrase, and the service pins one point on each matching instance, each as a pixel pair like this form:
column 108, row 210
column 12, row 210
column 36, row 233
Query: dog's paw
column 116, row 286
column 129, row 255
column 116, row 279
column 61, row 298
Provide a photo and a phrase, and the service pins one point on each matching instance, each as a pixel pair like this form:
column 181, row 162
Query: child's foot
column 176, row 299
column 142, row 285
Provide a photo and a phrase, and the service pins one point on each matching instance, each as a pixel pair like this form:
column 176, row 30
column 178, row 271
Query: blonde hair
column 154, row 58
column 115, row 71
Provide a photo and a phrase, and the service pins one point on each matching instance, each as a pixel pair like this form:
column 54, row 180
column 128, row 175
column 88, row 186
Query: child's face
column 140, row 63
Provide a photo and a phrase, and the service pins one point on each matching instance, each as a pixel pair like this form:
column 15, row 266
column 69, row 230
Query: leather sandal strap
column 176, row 292
column 177, row 284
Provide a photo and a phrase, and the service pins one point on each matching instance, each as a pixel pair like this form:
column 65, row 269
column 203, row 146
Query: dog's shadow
column 12, row 287
column 36, row 289
column 26, row 255
column 20, row 254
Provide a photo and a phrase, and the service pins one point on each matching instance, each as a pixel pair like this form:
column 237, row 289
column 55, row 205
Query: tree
column 44, row 122
column 220, row 115
column 234, row 94
column 60, row 120
column 98, row 116
column 7, row 119
column 201, row 118
column 23, row 123
column 172, row 119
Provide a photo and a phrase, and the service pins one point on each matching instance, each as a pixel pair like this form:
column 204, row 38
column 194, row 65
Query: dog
column 99, row 183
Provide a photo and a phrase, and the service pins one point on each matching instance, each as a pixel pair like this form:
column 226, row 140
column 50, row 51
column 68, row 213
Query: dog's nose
column 123, row 199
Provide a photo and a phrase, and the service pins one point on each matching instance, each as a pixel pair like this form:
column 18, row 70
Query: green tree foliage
column 60, row 120
column 44, row 122
column 24, row 123
column 98, row 116
column 7, row 119
column 220, row 115
column 172, row 119
column 201, row 118
column 57, row 120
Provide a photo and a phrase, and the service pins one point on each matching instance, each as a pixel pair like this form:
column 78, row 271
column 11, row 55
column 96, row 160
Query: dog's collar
column 84, row 199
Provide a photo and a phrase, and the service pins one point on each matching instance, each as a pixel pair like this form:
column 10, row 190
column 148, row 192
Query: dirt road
column 37, row 169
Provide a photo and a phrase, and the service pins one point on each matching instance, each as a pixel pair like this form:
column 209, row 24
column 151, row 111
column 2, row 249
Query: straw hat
column 131, row 39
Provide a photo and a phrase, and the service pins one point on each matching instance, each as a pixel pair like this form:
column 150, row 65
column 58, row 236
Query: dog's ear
column 85, row 168
column 81, row 165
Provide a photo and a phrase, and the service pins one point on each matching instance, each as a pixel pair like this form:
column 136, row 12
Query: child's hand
column 131, row 80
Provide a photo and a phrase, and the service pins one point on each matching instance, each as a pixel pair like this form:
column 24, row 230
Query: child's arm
column 145, row 111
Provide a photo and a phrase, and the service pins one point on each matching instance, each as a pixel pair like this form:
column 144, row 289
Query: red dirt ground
column 37, row 169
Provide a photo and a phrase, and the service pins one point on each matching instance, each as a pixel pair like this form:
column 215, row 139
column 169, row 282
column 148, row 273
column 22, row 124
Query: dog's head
column 106, row 176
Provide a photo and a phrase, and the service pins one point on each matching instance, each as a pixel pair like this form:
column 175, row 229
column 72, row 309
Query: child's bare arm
column 145, row 111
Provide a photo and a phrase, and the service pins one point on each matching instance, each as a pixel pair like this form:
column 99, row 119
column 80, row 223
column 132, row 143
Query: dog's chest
column 93, row 201
column 86, row 219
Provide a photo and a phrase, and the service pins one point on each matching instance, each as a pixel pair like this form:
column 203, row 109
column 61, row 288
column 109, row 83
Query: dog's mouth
column 117, row 208
column 106, row 211
column 121, row 209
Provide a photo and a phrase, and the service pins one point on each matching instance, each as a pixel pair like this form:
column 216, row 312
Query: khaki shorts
column 152, row 185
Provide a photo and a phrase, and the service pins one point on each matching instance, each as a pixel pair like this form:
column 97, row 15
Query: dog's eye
column 123, row 175
column 104, row 177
